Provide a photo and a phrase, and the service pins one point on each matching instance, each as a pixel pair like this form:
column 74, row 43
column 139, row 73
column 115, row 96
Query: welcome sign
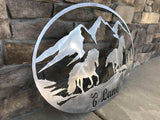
column 90, row 77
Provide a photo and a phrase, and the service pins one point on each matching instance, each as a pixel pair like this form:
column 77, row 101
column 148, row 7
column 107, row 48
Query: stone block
column 156, row 5
column 126, row 12
column 56, row 1
column 15, row 76
column 148, row 48
column 149, row 2
column 81, row 14
column 15, row 79
column 139, row 5
column 149, row 17
column 17, row 91
column 101, row 33
column 137, row 17
column 18, row 53
column 156, row 40
column 105, row 2
column 137, row 26
column 1, row 58
column 149, row 38
column 29, row 30
column 151, row 29
column 157, row 35
column 107, row 16
column 51, row 1
column 3, row 11
column 59, row 29
column 4, row 29
column 140, row 37
column 158, row 28
column 29, row 9
column 21, row 53
column 79, row 1
column 21, row 103
column 131, row 2
column 145, row 48
column 148, row 8
column 4, row 26
column 157, row 51
column 142, row 58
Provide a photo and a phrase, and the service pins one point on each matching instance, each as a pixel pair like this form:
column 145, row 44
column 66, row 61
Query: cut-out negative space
column 84, row 68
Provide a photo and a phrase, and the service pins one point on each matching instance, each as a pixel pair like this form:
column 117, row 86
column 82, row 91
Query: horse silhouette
column 82, row 70
column 116, row 56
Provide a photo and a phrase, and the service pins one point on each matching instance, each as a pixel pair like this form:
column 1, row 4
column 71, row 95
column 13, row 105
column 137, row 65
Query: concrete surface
column 139, row 99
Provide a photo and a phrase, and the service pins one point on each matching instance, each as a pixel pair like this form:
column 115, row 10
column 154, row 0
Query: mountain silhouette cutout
column 73, row 42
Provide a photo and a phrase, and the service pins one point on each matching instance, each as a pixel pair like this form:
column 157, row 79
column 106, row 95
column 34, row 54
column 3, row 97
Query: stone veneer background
column 21, row 21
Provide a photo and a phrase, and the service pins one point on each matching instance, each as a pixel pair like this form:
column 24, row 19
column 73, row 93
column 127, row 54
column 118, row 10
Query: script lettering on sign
column 106, row 95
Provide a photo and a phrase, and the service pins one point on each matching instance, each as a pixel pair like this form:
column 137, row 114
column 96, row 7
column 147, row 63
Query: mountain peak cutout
column 73, row 42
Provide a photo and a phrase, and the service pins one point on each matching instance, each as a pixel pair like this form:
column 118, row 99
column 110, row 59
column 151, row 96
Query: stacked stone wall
column 21, row 21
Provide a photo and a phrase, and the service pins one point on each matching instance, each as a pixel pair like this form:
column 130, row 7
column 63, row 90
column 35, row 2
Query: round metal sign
column 78, row 76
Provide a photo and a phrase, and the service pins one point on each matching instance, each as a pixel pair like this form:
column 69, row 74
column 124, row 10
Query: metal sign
column 91, row 77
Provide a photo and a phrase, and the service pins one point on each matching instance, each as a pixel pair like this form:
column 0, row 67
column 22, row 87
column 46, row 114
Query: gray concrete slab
column 50, row 113
column 140, row 97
